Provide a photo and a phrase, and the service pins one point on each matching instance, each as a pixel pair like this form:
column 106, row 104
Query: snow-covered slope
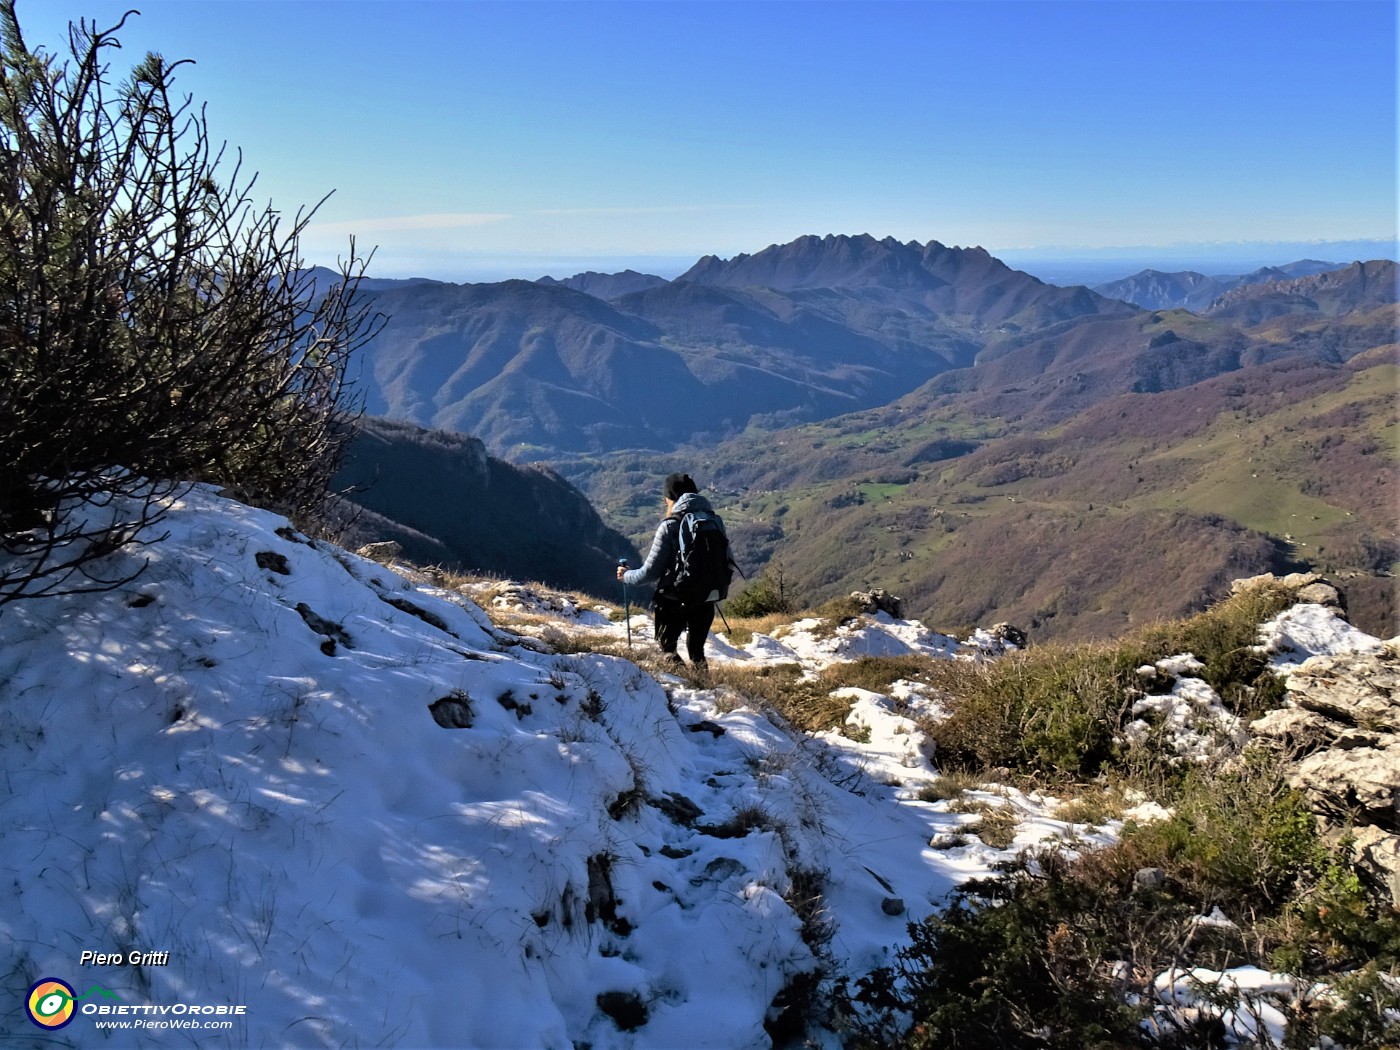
column 304, row 800
column 235, row 760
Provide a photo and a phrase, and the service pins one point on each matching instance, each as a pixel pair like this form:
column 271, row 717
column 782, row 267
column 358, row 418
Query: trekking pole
column 626, row 603
column 720, row 609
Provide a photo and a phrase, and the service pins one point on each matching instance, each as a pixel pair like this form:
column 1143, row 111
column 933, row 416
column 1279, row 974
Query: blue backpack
column 703, row 566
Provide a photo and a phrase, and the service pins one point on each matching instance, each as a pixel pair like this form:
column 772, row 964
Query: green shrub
column 762, row 597
column 1241, row 838
column 1366, row 1013
column 1017, row 961
column 1052, row 709
column 1335, row 923
column 1058, row 709
column 1224, row 638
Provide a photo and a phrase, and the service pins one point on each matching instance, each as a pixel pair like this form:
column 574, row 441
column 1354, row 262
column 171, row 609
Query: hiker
column 689, row 560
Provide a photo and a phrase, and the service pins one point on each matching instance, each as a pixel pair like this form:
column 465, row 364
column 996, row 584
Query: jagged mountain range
column 878, row 413
column 1189, row 290
column 807, row 330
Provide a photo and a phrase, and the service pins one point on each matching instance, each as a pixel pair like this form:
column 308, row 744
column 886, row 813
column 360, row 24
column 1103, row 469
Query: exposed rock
column 706, row 726
column 1292, row 581
column 1008, row 635
column 1358, row 784
column 383, row 552
column 273, row 562
column 1351, row 690
column 452, row 712
column 1149, row 880
column 880, row 600
column 1307, row 587
column 1379, row 853
column 602, row 898
column 892, row 906
column 1342, row 729
column 627, row 1009
column 678, row 808
column 1321, row 593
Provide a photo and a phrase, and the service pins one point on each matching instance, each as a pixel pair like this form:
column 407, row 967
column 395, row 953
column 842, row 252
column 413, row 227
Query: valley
column 927, row 420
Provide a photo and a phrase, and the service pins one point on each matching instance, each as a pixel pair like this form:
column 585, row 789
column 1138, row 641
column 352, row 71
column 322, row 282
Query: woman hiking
column 687, row 588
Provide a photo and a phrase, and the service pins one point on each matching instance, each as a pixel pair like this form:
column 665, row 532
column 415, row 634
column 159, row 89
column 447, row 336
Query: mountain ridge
column 1153, row 289
column 539, row 369
column 447, row 502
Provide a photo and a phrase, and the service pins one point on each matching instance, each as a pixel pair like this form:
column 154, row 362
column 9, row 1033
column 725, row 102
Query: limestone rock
column 1351, row 689
column 1149, row 880
column 1342, row 732
column 1379, row 853
column 880, row 600
column 1361, row 784
column 384, row 552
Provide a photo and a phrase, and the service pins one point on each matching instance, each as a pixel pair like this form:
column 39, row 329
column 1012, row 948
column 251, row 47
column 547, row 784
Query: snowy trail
column 365, row 815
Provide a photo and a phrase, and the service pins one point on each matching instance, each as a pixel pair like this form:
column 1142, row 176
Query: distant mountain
column 803, row 331
column 608, row 285
column 1155, row 290
column 964, row 285
column 449, row 503
column 536, row 369
column 1047, row 375
column 1361, row 285
column 1246, row 439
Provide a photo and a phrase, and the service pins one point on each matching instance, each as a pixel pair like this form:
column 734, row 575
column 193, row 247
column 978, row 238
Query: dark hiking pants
column 672, row 617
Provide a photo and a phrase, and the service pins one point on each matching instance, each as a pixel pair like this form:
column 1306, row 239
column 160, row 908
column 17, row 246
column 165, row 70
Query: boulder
column 880, row 600
column 1341, row 729
column 1351, row 689
column 384, row 552
column 1008, row 634
column 1378, row 852
column 1306, row 587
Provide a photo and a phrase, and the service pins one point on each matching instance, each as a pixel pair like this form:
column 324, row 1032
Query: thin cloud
column 672, row 209
column 393, row 223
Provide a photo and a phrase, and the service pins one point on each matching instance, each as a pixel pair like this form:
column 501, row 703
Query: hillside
column 1138, row 506
column 306, row 788
column 448, row 503
column 1189, row 290
column 545, row 370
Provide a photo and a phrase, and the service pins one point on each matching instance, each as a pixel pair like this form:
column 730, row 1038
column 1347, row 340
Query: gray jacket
column 660, row 564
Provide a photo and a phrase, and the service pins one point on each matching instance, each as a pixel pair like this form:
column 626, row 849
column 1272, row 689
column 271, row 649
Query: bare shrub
column 156, row 324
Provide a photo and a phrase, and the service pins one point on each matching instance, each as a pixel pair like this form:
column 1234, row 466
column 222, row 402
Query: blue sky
column 478, row 140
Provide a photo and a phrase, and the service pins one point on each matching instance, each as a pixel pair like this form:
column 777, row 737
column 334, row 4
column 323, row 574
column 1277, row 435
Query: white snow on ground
column 363, row 814
column 1307, row 630
column 235, row 760
column 1190, row 721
